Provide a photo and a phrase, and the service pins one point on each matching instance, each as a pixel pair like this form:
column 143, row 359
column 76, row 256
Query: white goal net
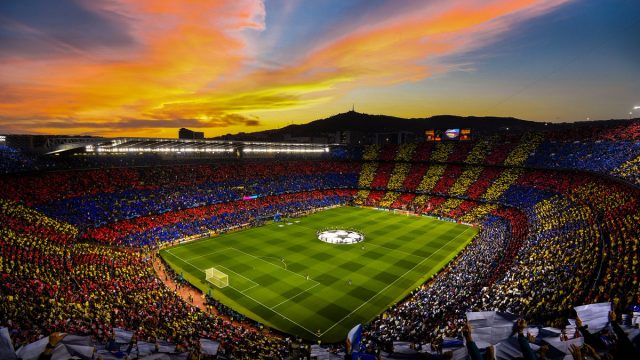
column 217, row 277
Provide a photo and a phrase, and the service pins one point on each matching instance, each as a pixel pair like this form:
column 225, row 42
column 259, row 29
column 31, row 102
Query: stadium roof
column 154, row 145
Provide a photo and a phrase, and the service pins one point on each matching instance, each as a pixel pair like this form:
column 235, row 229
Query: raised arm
column 527, row 352
column 472, row 348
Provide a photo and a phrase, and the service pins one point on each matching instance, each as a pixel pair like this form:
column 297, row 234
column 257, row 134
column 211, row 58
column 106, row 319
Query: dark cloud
column 35, row 28
column 235, row 119
column 221, row 121
column 253, row 122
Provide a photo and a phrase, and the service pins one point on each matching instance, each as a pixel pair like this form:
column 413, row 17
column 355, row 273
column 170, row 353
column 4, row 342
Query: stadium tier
column 558, row 225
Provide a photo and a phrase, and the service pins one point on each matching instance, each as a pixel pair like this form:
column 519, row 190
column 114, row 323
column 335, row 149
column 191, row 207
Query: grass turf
column 268, row 266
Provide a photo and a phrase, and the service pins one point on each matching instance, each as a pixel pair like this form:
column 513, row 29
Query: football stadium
column 281, row 256
column 180, row 180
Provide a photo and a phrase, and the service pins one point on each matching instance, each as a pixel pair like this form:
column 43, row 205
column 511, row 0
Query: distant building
column 190, row 134
column 343, row 137
column 350, row 137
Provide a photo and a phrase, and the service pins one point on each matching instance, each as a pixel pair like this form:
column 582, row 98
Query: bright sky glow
column 149, row 67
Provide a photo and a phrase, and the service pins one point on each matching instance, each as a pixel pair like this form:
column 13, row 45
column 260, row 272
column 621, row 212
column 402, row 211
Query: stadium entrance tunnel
column 343, row 237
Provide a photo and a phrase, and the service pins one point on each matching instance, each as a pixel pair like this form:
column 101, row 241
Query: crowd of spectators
column 100, row 209
column 402, row 201
column 170, row 226
column 438, row 307
column 485, row 179
column 388, row 199
column 382, row 175
column 629, row 170
column 554, row 267
column 396, row 180
column 596, row 131
column 607, row 157
column 447, row 179
column 466, row 178
column 441, row 151
column 423, row 151
column 49, row 285
column 613, row 150
column 480, row 150
column 371, row 152
column 13, row 160
column 460, row 152
column 406, row 152
column 98, row 197
column 414, row 176
column 549, row 239
column 388, row 152
column 42, row 188
column 576, row 241
column 54, row 280
column 431, row 177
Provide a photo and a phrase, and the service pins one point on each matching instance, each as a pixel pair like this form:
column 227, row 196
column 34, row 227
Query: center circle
column 340, row 236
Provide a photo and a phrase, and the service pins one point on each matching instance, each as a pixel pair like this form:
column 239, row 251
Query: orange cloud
column 190, row 62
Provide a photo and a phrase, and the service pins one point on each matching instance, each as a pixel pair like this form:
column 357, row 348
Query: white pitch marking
column 386, row 287
column 294, row 296
column 256, row 301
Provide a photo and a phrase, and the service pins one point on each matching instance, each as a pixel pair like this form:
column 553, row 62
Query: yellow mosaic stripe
column 431, row 177
column 468, row 177
column 442, row 151
column 33, row 217
column 480, row 150
column 367, row 174
column 361, row 196
column 520, row 154
column 501, row 184
column 371, row 152
column 398, row 176
column 405, row 152
column 449, row 205
column 478, row 212
column 389, row 198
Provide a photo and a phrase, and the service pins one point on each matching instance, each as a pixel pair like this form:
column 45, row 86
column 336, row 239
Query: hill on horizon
column 367, row 123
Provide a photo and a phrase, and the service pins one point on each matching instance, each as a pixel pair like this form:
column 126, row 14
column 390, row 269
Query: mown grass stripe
column 399, row 253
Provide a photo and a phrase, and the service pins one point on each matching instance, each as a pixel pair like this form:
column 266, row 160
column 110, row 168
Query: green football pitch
column 283, row 276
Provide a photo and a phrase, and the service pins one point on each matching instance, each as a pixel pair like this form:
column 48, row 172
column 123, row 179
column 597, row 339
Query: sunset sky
column 149, row 67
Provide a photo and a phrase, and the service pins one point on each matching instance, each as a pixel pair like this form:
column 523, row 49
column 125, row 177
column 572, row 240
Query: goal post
column 216, row 277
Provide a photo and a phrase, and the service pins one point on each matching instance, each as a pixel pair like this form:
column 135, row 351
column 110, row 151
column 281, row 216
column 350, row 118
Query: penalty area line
column 283, row 316
column 254, row 300
column 265, row 261
column 293, row 297
column 386, row 287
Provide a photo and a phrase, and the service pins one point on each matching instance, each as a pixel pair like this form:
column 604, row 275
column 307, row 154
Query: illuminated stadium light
column 284, row 150
column 181, row 146
column 91, row 148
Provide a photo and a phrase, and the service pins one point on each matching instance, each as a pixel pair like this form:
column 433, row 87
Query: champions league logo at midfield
column 340, row 236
